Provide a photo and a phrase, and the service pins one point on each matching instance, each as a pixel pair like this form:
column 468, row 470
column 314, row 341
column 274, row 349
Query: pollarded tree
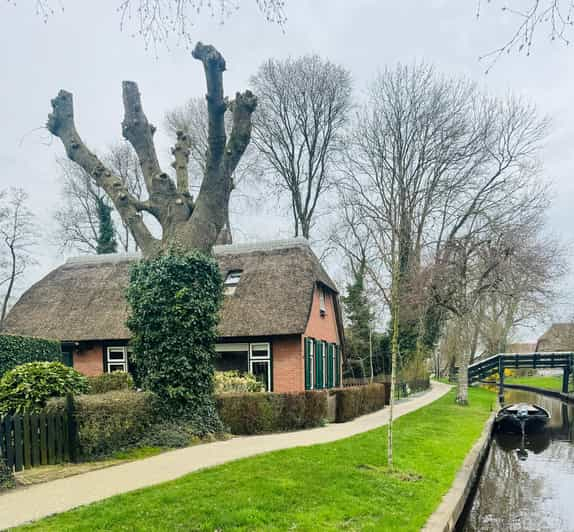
column 185, row 222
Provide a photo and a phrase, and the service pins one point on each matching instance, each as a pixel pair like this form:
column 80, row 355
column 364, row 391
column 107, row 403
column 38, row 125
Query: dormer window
column 322, row 306
column 231, row 282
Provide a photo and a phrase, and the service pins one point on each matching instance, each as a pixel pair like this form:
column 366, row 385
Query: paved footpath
column 34, row 502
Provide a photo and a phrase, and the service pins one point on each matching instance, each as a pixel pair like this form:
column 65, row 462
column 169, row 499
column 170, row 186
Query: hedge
column 109, row 382
column 355, row 401
column 255, row 413
column 110, row 422
column 16, row 350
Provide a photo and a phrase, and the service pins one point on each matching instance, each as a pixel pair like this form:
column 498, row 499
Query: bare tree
column 298, row 129
column 184, row 222
column 158, row 21
column 432, row 166
column 17, row 233
column 553, row 17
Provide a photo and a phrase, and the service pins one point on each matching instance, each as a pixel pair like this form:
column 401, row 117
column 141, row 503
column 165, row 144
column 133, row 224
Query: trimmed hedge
column 355, row 401
column 17, row 350
column 113, row 421
column 109, row 382
column 255, row 413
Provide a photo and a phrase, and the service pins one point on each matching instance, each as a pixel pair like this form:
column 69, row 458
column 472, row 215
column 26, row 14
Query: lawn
column 337, row 486
column 549, row 382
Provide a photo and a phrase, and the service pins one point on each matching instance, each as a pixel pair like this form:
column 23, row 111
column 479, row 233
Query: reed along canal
column 528, row 486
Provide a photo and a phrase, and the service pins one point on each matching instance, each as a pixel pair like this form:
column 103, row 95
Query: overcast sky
column 83, row 50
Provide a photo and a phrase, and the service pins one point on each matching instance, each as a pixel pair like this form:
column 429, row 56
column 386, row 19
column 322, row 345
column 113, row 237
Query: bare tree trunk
column 462, row 386
column 394, row 358
column 8, row 293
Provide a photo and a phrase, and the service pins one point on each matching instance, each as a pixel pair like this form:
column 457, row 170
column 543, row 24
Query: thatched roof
column 521, row 347
column 84, row 298
column 559, row 337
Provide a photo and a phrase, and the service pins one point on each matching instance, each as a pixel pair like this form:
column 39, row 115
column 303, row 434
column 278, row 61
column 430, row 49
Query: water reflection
column 527, row 485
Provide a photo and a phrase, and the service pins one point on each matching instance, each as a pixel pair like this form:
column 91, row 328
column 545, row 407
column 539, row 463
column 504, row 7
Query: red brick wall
column 288, row 364
column 89, row 359
column 323, row 327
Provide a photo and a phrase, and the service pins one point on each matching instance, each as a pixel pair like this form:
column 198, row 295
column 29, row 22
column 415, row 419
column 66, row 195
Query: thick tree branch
column 139, row 132
column 181, row 152
column 61, row 124
column 242, row 109
column 214, row 66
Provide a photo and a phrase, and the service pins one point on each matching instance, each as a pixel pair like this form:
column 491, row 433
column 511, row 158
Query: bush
column 26, row 388
column 169, row 434
column 17, row 350
column 254, row 413
column 111, row 422
column 235, row 382
column 108, row 382
column 6, row 475
column 175, row 302
column 355, row 401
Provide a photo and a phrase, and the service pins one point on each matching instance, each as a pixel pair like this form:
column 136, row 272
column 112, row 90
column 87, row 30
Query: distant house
column 521, row 347
column 559, row 337
column 280, row 319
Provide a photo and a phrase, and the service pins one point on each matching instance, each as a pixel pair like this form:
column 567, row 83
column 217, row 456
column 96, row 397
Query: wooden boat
column 521, row 417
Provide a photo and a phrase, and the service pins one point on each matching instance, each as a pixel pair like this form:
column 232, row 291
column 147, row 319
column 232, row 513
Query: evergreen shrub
column 27, row 387
column 16, row 350
column 108, row 382
column 175, row 301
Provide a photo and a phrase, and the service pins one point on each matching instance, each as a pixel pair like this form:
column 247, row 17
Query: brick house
column 280, row 319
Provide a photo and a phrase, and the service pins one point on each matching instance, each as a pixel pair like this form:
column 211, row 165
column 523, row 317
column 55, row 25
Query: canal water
column 528, row 487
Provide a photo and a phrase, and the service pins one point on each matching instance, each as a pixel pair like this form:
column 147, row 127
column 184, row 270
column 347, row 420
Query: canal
column 530, row 487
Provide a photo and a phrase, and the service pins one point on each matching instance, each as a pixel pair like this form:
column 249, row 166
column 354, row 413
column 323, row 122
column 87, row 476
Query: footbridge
column 498, row 363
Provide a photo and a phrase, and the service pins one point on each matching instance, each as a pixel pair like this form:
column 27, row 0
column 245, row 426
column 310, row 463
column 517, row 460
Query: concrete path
column 34, row 502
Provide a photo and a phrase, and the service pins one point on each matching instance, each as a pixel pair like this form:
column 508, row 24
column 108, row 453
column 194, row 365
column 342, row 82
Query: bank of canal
column 528, row 488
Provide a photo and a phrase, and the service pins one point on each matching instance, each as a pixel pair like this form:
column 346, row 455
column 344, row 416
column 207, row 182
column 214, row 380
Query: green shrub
column 235, row 382
column 175, row 301
column 108, row 382
column 254, row 413
column 6, row 475
column 169, row 434
column 16, row 350
column 112, row 421
column 26, row 388
column 355, row 401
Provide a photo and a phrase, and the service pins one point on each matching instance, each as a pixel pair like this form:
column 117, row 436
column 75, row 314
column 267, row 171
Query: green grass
column 337, row 486
column 551, row 382
column 138, row 453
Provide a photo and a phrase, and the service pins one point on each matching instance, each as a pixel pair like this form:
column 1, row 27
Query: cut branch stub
column 181, row 152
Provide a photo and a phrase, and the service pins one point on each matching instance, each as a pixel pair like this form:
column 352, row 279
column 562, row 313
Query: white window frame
column 325, row 369
column 254, row 359
column 231, row 281
column 322, row 301
column 123, row 362
column 312, row 362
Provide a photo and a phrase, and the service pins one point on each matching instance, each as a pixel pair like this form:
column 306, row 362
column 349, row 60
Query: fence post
column 73, row 444
column 500, row 379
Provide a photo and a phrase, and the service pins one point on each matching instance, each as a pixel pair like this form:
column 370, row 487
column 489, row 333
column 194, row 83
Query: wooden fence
column 31, row 440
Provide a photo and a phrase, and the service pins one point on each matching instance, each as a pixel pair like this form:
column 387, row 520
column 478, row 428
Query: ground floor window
column 254, row 358
column 116, row 359
column 322, row 364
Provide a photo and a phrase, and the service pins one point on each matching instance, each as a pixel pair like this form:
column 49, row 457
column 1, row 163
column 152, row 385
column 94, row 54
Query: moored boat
column 521, row 417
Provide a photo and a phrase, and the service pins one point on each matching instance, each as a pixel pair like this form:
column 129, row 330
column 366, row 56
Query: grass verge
column 549, row 382
column 337, row 486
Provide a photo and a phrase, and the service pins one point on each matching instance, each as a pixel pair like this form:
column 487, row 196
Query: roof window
column 231, row 281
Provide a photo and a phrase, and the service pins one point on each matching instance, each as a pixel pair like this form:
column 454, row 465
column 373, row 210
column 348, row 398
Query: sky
column 83, row 50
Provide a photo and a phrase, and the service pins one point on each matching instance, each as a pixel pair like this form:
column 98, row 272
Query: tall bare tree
column 185, row 221
column 432, row 164
column 298, row 130
column 17, row 234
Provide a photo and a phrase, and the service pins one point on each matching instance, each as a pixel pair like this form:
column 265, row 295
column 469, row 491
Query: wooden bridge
column 498, row 363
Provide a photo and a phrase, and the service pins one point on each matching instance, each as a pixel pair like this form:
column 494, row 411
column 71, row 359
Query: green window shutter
column 318, row 364
column 337, row 365
column 330, row 368
column 308, row 364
